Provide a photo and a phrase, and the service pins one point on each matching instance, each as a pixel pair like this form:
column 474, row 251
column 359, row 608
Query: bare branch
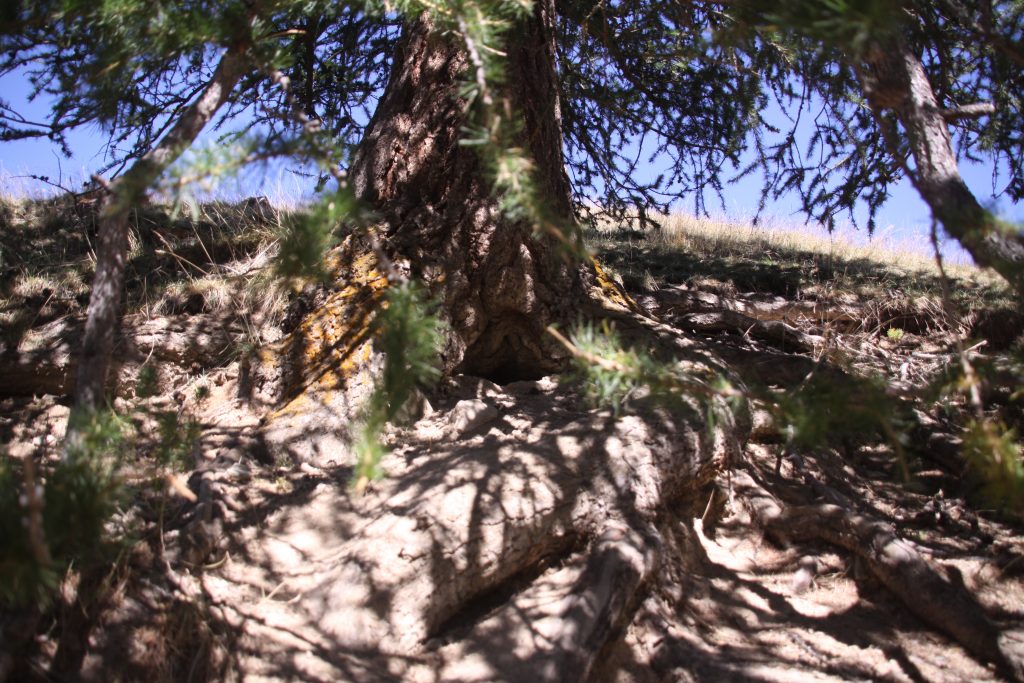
column 969, row 111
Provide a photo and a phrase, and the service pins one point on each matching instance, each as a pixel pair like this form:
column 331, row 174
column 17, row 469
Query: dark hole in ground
column 510, row 352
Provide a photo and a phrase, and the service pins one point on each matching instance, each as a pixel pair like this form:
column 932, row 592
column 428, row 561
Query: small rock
column 522, row 387
column 804, row 576
column 543, row 385
column 312, row 470
column 429, row 433
column 763, row 427
column 471, row 414
column 415, row 408
column 240, row 471
column 547, row 384
column 477, row 387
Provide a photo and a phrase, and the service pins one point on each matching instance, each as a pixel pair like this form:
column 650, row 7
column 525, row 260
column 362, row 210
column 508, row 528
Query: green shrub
column 78, row 494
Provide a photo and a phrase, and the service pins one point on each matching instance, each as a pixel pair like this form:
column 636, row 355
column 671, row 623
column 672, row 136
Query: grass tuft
column 799, row 261
column 215, row 263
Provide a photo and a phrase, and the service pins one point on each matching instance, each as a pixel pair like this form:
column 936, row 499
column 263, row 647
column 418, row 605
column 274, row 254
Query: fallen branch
column 573, row 612
column 940, row 603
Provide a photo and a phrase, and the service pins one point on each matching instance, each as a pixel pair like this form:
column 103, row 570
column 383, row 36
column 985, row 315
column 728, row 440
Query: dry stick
column 128, row 190
column 591, row 358
column 33, row 502
column 667, row 380
column 891, row 141
column 111, row 255
column 973, row 383
column 775, row 332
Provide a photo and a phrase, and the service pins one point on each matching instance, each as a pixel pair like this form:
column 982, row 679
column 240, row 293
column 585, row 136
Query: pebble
column 471, row 414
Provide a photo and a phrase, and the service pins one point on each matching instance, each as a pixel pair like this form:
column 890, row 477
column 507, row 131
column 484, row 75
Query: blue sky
column 905, row 219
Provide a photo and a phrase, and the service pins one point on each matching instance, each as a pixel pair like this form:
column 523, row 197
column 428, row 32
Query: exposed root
column 775, row 332
column 443, row 570
column 676, row 301
column 44, row 361
column 621, row 561
column 557, row 628
column 942, row 604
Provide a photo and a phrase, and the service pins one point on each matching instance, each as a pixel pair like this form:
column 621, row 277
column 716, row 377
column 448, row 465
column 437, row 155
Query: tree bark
column 500, row 283
column 894, row 79
column 124, row 193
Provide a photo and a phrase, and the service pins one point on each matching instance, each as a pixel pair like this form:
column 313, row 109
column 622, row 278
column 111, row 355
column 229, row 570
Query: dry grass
column 789, row 261
column 711, row 235
column 213, row 258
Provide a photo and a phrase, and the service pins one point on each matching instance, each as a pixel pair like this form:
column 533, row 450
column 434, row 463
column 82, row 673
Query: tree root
column 940, row 603
column 679, row 302
column 45, row 360
column 557, row 629
column 621, row 561
column 774, row 332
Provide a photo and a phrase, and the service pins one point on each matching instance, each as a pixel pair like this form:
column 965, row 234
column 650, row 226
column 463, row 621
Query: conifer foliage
column 695, row 83
column 842, row 141
column 869, row 92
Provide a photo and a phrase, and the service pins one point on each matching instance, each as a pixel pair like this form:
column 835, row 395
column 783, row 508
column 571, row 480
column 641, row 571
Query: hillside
column 230, row 559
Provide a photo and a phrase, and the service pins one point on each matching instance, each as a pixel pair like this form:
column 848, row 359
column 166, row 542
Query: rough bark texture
column 894, row 79
column 396, row 573
column 501, row 285
column 321, row 374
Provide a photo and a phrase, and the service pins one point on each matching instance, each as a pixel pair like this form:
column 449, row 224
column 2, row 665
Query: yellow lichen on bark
column 333, row 345
column 610, row 292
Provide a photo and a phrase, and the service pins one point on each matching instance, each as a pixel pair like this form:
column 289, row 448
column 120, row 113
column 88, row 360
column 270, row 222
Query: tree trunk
column 123, row 194
column 517, row 554
column 432, row 541
column 894, row 79
column 500, row 284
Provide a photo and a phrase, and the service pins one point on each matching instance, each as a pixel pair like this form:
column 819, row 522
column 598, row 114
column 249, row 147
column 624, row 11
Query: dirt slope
column 522, row 534
column 284, row 591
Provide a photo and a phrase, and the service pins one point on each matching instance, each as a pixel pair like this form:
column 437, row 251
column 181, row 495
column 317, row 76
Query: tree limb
column 893, row 78
column 974, row 110
column 122, row 194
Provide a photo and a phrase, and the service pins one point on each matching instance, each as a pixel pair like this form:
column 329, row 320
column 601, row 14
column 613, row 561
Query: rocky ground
column 522, row 533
